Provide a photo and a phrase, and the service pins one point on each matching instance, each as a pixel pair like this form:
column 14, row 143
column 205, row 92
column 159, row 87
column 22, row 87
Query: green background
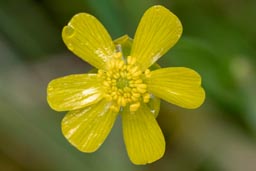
column 219, row 41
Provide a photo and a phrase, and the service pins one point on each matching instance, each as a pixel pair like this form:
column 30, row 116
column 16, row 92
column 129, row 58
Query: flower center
column 123, row 83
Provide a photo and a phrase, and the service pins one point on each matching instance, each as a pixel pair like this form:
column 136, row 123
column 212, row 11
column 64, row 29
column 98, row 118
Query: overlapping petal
column 158, row 31
column 142, row 135
column 74, row 92
column 87, row 128
column 86, row 37
column 177, row 85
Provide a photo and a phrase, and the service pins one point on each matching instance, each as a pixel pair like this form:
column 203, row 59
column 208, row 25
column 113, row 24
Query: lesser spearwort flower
column 123, row 84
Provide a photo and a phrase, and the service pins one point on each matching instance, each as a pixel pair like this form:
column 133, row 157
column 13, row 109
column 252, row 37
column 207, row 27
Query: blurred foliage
column 219, row 41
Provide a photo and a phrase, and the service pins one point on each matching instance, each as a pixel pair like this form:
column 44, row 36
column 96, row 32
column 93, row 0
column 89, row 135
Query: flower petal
column 178, row 85
column 143, row 137
column 74, row 92
column 86, row 37
column 158, row 31
column 87, row 128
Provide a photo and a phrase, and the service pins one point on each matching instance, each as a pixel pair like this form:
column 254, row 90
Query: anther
column 146, row 98
column 120, row 64
column 138, row 81
column 118, row 55
column 137, row 95
column 133, row 69
column 108, row 97
column 114, row 108
column 123, row 102
column 137, row 73
column 147, row 73
column 131, row 60
column 106, row 83
column 134, row 107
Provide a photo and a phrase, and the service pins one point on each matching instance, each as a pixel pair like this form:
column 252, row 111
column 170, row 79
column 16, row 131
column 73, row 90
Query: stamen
column 134, row 107
column 108, row 97
column 124, row 83
column 114, row 108
column 131, row 60
column 146, row 97
column 147, row 73
column 118, row 55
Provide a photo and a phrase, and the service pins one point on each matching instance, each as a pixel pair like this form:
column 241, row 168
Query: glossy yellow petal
column 86, row 37
column 87, row 128
column 178, row 85
column 158, row 31
column 142, row 136
column 74, row 92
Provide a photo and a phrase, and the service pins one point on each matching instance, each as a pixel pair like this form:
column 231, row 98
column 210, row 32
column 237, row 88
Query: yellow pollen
column 118, row 55
column 123, row 83
column 134, row 107
column 131, row 60
column 147, row 73
column 146, row 97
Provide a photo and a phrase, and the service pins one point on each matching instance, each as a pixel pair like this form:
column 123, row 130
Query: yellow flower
column 123, row 84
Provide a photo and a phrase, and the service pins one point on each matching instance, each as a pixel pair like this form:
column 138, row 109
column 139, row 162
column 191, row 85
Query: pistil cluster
column 123, row 83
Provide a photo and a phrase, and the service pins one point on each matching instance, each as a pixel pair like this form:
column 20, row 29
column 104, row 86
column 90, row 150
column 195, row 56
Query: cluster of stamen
column 123, row 83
